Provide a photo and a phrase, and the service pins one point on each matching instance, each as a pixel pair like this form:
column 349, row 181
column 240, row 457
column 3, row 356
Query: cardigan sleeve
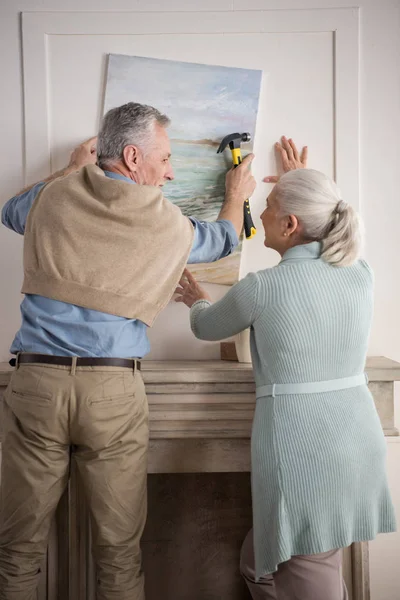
column 236, row 311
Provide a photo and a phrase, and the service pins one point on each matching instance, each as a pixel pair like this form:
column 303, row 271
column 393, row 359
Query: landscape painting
column 205, row 103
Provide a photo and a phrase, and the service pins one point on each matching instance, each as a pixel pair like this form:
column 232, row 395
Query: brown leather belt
column 48, row 359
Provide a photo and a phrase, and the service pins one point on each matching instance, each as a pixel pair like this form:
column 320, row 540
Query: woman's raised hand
column 290, row 158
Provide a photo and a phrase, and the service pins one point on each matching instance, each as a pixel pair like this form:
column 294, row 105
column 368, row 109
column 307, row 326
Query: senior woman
column 317, row 447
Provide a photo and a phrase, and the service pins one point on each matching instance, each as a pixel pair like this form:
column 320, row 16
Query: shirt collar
column 309, row 251
column 113, row 175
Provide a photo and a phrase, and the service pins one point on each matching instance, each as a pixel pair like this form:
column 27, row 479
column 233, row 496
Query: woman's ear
column 292, row 225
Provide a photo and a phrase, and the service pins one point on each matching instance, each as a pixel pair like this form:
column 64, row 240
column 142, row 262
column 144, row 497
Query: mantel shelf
column 206, row 401
column 378, row 368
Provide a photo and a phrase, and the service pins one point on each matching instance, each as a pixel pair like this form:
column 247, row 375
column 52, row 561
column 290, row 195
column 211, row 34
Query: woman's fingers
column 304, row 156
column 284, row 156
column 289, row 157
column 186, row 279
column 294, row 149
column 189, row 276
column 288, row 148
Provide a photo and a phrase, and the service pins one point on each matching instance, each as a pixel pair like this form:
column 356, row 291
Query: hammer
column 234, row 140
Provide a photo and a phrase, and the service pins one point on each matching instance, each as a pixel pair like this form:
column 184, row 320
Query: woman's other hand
column 290, row 158
column 190, row 291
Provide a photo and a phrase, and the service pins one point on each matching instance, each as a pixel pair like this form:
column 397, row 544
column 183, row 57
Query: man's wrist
column 231, row 198
column 62, row 172
column 69, row 169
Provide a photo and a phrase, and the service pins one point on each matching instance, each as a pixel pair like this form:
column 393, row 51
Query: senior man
column 102, row 257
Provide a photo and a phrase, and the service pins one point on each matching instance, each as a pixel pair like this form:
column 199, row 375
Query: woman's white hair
column 315, row 200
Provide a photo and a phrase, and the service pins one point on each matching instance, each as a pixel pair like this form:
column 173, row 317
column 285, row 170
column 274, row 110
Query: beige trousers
column 102, row 413
column 304, row 577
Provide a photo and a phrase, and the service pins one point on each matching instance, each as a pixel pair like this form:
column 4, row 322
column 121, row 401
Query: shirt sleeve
column 16, row 210
column 236, row 311
column 212, row 240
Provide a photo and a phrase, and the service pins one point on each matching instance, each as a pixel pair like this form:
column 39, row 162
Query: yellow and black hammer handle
column 249, row 227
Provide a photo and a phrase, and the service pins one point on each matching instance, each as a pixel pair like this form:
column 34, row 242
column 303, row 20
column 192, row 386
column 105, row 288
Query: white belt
column 311, row 387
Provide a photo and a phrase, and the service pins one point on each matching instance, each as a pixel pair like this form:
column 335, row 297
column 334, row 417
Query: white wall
column 380, row 159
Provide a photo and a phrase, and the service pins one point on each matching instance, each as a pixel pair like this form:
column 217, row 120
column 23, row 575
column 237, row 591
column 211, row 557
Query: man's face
column 154, row 167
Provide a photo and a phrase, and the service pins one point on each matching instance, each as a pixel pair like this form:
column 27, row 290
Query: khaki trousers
column 304, row 577
column 102, row 414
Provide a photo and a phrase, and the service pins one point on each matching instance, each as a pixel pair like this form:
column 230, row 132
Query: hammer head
column 234, row 140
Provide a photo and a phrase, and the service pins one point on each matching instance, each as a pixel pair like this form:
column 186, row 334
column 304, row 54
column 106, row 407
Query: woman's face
column 281, row 232
column 271, row 222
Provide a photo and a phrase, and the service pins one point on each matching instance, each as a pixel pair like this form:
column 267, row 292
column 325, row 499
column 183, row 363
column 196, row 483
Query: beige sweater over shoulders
column 106, row 245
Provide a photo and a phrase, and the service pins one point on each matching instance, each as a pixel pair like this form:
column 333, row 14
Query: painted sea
column 198, row 189
column 205, row 103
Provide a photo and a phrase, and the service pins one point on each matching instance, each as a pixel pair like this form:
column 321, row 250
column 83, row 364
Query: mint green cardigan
column 318, row 459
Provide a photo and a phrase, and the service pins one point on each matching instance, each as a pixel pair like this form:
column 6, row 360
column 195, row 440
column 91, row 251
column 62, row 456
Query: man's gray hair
column 129, row 124
column 315, row 200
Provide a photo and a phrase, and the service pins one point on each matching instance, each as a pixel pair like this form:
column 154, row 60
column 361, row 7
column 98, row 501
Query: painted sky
column 201, row 100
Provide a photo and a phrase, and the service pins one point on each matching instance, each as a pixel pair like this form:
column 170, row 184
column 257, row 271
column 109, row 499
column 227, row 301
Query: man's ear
column 130, row 155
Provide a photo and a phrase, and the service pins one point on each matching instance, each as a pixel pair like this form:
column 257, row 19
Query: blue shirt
column 53, row 327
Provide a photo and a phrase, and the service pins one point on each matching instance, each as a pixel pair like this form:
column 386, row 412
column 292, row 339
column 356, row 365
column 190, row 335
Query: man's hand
column 290, row 158
column 239, row 185
column 190, row 291
column 84, row 154
column 239, row 182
